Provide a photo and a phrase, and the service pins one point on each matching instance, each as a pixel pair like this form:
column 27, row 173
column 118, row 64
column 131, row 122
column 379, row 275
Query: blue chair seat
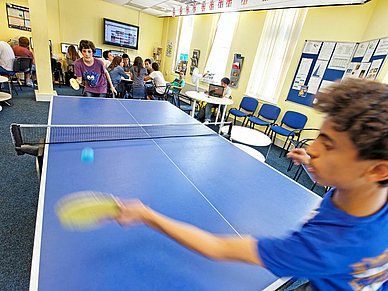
column 282, row 130
column 248, row 104
column 258, row 121
column 238, row 113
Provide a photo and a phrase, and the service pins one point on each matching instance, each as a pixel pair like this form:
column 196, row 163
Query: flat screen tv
column 98, row 53
column 121, row 34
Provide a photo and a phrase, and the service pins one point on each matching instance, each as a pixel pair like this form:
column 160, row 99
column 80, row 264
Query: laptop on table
column 216, row 91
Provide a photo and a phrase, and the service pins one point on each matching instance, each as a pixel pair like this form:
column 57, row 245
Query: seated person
column 108, row 57
column 127, row 62
column 178, row 84
column 71, row 57
column 138, row 72
column 116, row 72
column 147, row 65
column 159, row 82
column 227, row 92
column 22, row 50
column 7, row 58
column 92, row 70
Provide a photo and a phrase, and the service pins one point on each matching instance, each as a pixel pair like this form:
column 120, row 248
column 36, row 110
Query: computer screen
column 65, row 46
column 98, row 53
column 121, row 34
column 216, row 90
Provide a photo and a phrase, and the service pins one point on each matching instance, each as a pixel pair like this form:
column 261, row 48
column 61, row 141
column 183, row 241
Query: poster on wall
column 18, row 17
column 169, row 48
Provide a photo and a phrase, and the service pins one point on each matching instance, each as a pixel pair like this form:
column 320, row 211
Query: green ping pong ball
column 87, row 155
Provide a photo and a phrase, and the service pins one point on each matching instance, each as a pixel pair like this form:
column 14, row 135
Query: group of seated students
column 147, row 80
column 8, row 54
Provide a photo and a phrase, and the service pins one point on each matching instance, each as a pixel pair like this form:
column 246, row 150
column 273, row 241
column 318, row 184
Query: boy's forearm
column 230, row 247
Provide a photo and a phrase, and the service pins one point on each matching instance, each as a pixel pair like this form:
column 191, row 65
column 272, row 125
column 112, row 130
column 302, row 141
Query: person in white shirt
column 7, row 57
column 157, row 77
column 108, row 58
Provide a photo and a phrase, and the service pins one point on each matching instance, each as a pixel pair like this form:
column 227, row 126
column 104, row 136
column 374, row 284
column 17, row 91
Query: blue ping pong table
column 202, row 180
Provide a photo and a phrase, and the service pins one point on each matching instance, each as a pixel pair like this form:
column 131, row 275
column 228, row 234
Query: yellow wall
column 8, row 33
column 71, row 20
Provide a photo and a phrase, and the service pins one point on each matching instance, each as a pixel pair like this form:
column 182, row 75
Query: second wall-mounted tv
column 121, row 34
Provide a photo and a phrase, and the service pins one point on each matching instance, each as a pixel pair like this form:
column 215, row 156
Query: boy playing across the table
column 93, row 71
column 344, row 245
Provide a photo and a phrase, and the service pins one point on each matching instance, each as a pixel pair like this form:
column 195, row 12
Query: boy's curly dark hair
column 360, row 108
column 87, row 44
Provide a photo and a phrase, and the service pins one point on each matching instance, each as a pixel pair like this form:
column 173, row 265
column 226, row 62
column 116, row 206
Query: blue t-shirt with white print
column 335, row 250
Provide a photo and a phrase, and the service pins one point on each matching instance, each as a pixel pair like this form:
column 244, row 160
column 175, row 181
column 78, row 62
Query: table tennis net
column 33, row 134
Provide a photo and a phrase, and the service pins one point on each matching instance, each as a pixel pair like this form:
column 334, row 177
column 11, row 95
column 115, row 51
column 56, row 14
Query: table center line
column 183, row 174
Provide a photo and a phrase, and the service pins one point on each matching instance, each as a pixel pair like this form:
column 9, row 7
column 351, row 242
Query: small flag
column 244, row 2
column 220, row 3
column 173, row 12
column 187, row 9
column 203, row 5
column 180, row 10
column 194, row 7
column 228, row 3
column 211, row 6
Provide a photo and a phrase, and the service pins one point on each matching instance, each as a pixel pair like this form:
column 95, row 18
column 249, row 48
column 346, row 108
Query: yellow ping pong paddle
column 86, row 210
column 74, row 84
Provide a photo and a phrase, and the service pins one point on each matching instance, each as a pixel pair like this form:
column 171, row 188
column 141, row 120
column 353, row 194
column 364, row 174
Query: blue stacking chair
column 248, row 104
column 267, row 111
column 293, row 120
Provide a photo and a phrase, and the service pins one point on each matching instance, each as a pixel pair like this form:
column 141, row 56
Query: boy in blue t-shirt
column 344, row 246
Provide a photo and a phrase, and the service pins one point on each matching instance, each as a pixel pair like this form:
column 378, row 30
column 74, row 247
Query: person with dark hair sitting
column 147, row 65
column 108, row 57
column 227, row 92
column 138, row 72
column 93, row 71
column 22, row 50
column 157, row 77
column 116, row 72
column 127, row 62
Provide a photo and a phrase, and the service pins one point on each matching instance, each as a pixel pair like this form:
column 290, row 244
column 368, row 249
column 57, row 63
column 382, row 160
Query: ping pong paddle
column 86, row 210
column 74, row 84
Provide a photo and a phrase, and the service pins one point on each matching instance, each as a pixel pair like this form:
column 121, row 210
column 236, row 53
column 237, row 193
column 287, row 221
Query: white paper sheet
column 326, row 51
column 382, row 48
column 312, row 47
column 369, row 51
column 300, row 78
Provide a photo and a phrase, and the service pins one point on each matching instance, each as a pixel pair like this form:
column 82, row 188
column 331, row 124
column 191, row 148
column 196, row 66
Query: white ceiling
column 164, row 8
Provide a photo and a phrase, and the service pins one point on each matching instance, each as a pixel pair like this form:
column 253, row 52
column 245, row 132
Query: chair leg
column 315, row 184
column 284, row 145
column 234, row 122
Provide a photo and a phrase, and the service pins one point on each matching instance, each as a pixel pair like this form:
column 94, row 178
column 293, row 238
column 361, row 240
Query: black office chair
column 165, row 93
column 21, row 65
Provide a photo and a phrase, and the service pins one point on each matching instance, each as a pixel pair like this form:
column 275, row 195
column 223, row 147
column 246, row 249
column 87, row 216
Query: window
column 219, row 53
column 185, row 25
column 274, row 53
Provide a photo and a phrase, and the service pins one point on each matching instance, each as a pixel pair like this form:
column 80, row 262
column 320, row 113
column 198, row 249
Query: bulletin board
column 18, row 17
column 322, row 63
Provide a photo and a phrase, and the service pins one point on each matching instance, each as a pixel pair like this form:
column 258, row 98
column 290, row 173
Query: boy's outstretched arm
column 299, row 156
column 218, row 247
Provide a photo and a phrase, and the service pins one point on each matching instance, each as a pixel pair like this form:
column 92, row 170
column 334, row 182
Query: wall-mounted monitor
column 121, row 34
column 65, row 46
column 98, row 53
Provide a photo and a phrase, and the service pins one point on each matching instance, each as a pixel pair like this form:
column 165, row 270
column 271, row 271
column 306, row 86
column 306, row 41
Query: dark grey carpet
column 19, row 189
